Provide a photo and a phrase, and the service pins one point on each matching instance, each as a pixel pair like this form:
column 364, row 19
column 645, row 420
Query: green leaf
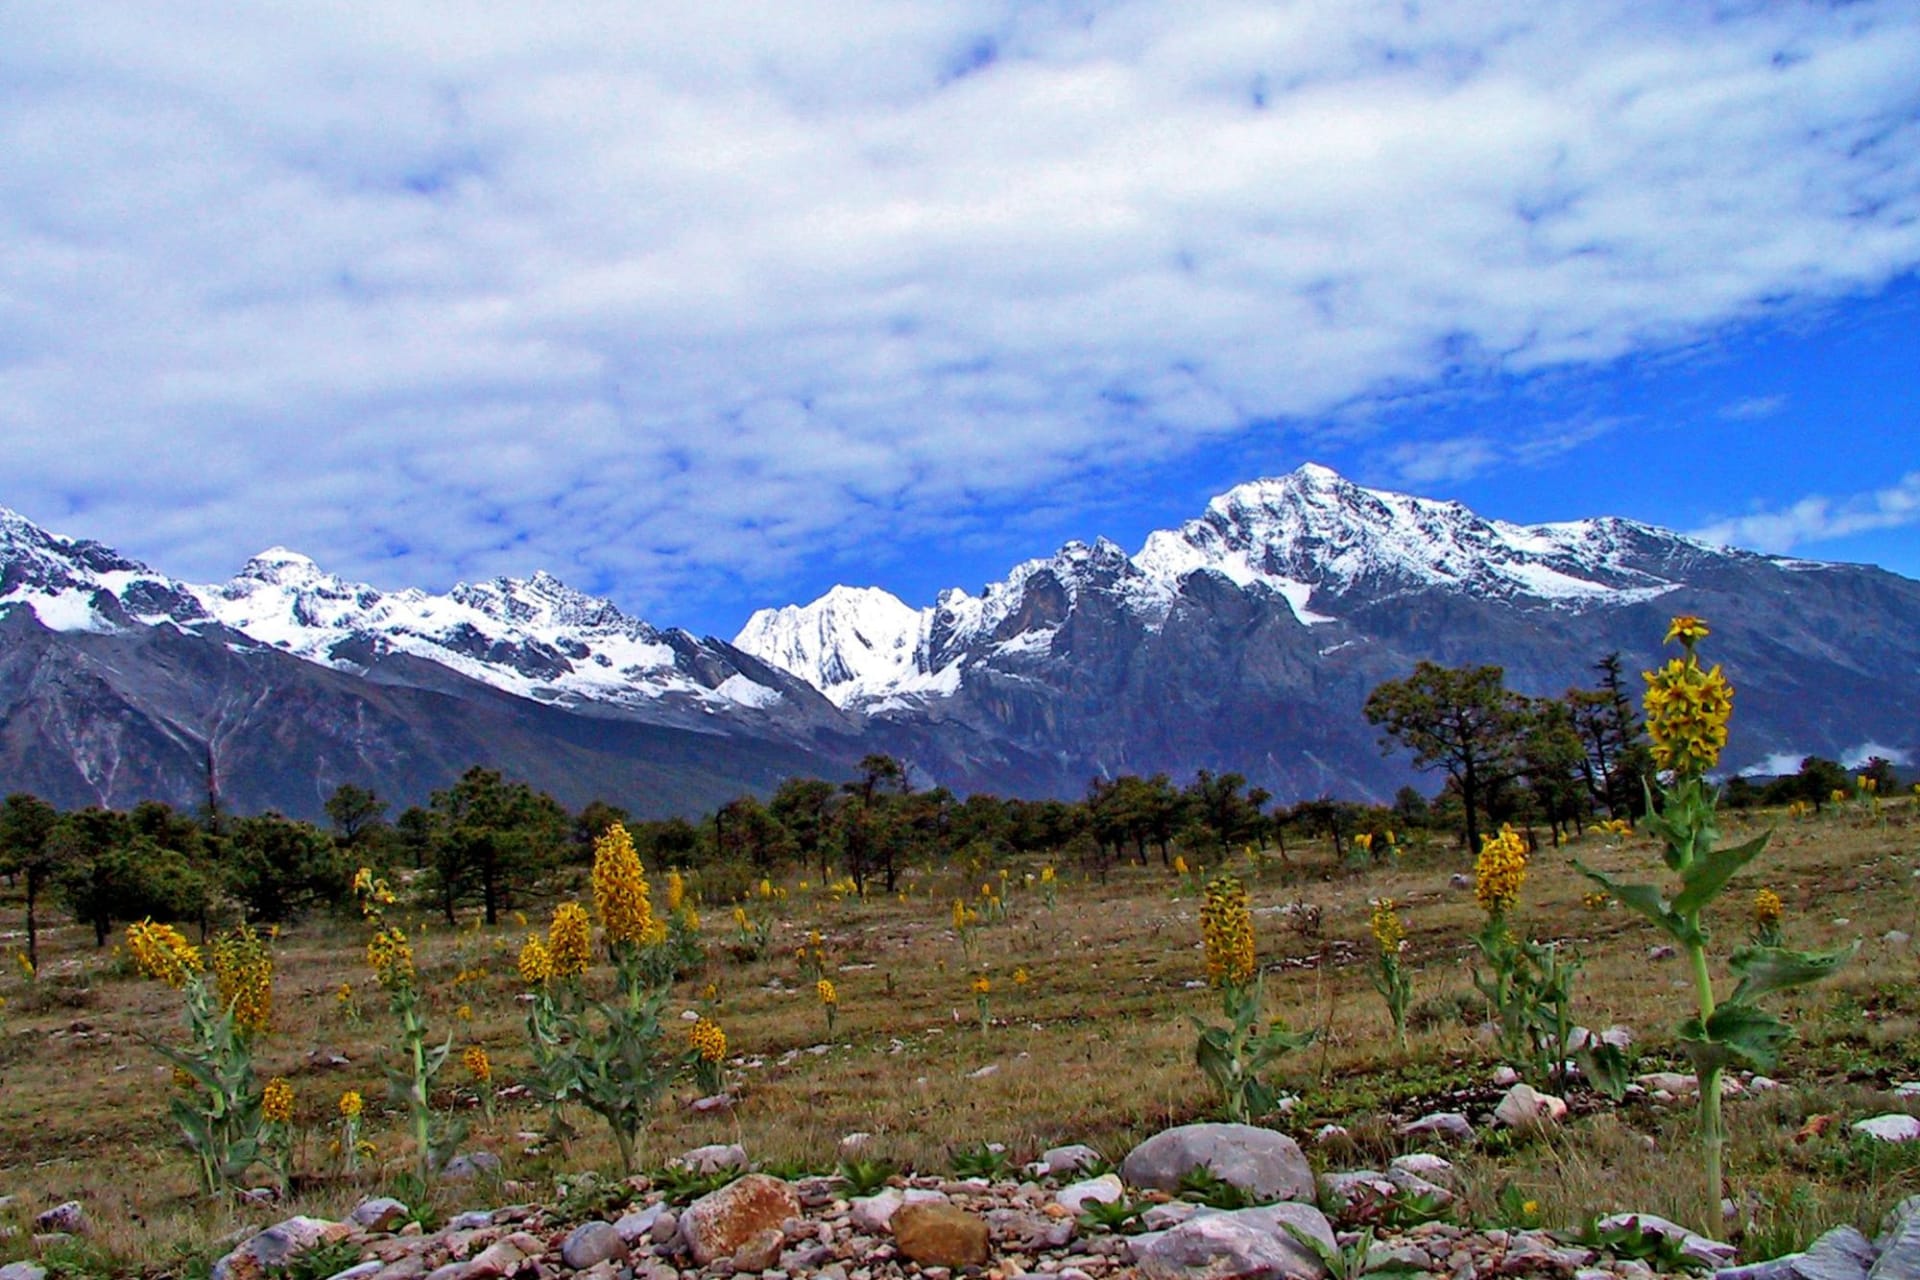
column 1646, row 899
column 1605, row 1066
column 1710, row 873
column 1735, row 1032
column 1765, row 969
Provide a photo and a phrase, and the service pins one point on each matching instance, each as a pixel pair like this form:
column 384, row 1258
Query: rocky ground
column 1046, row 1224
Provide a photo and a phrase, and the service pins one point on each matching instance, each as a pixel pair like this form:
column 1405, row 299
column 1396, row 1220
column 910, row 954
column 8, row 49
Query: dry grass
column 1094, row 1048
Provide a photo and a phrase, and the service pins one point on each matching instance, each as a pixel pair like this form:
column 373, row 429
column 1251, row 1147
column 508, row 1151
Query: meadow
column 1087, row 1036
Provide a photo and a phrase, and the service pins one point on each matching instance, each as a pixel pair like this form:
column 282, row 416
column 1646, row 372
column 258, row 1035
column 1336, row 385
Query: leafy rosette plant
column 1687, row 708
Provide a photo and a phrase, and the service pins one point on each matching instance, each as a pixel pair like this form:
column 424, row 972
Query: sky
column 705, row 308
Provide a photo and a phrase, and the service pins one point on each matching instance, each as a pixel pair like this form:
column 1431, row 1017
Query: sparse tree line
column 488, row 841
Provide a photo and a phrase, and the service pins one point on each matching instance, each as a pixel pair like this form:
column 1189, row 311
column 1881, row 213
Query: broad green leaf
column 1709, row 874
column 1605, row 1066
column 1740, row 1031
column 1646, row 899
column 1765, row 969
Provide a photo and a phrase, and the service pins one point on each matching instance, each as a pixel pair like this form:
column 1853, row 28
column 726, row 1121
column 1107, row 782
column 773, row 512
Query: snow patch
column 62, row 611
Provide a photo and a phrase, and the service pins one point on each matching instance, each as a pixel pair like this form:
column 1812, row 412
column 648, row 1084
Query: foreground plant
column 1236, row 1057
column 1528, row 984
column 1687, row 709
column 218, row 1109
column 390, row 956
column 603, row 1054
column 1389, row 975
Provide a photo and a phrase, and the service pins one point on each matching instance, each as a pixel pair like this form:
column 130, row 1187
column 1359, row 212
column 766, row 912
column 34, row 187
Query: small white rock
column 1894, row 1127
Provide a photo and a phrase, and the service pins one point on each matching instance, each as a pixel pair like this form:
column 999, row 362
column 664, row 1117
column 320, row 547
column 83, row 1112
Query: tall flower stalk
column 218, row 1107
column 390, row 956
column 1236, row 1057
column 1390, row 976
column 1687, row 710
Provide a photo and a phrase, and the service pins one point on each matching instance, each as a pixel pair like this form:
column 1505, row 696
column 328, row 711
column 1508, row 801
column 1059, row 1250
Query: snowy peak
column 1317, row 531
column 75, row 585
column 849, row 640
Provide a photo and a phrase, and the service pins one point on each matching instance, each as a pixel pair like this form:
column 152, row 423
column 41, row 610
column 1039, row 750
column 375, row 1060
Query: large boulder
column 1265, row 1164
column 275, row 1247
column 717, row 1224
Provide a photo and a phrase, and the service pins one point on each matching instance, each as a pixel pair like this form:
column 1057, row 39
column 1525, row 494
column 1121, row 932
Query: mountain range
column 1246, row 639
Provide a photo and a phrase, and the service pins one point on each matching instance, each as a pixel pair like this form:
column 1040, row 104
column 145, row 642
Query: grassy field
column 1095, row 1046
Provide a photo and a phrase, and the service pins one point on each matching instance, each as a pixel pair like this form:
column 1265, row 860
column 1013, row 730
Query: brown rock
column 941, row 1235
column 761, row 1251
column 717, row 1224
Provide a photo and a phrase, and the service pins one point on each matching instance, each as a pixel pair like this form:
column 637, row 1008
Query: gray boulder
column 1247, row 1244
column 1265, row 1164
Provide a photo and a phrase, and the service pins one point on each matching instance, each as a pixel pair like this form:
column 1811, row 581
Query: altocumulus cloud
column 662, row 296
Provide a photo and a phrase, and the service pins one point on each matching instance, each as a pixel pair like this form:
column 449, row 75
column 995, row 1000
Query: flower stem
column 1712, row 1131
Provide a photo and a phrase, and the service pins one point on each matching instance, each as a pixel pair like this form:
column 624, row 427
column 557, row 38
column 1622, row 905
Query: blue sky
column 707, row 311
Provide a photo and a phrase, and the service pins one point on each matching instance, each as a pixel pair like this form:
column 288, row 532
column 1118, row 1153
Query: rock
column 1506, row 1076
column 23, row 1271
column 1106, row 1189
column 852, row 1144
column 276, row 1246
column 591, row 1243
column 378, row 1213
column 1249, row 1243
column 1408, row 1183
column 70, row 1217
column 1711, row 1253
column 504, row 1257
column 1907, row 1089
column 638, row 1226
column 1896, row 937
column 1422, row 1164
column 1893, row 1127
column 1340, row 1191
column 941, row 1235
column 465, row 1168
column 360, row 1271
column 1841, row 1254
column 1061, row 1161
column 761, row 1251
column 1459, row 880
column 471, row 1220
column 1525, row 1107
column 1265, row 1164
column 1900, row 1245
column 1672, row 1082
column 1442, row 1124
column 1328, row 1134
column 717, row 1224
column 1665, row 951
column 874, row 1214
column 714, row 1158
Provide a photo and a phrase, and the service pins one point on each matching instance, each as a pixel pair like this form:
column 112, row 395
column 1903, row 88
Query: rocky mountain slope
column 1245, row 639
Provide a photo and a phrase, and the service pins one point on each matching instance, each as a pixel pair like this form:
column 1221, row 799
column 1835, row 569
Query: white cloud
column 658, row 295
column 1817, row 518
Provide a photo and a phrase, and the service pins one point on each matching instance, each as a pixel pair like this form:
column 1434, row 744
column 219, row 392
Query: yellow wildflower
column 351, row 1104
column 1226, row 931
column 570, row 940
column 824, row 989
column 620, row 888
column 1388, row 933
column 477, row 1064
column 1500, row 870
column 390, row 958
column 740, row 919
column 536, row 962
column 1767, row 908
column 243, row 969
column 276, row 1101
column 676, row 890
column 1686, row 629
column 162, row 951
column 464, row 1013
column 26, row 964
column 1179, row 864
column 1020, row 978
column 1046, row 875
column 708, row 1040
column 982, row 985
column 1687, row 707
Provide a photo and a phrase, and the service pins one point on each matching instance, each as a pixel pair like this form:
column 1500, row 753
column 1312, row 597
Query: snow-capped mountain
column 1246, row 639
column 535, row 637
column 1311, row 538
